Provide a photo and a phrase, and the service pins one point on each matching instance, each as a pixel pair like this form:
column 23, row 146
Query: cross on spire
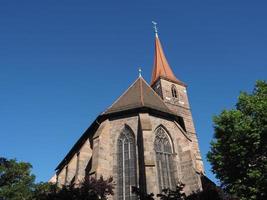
column 140, row 71
column 161, row 67
column 155, row 28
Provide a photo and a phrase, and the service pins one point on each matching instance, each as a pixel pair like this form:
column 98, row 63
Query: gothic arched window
column 164, row 160
column 126, row 165
column 174, row 91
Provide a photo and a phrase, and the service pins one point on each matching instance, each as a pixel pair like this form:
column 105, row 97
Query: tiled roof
column 161, row 66
column 138, row 95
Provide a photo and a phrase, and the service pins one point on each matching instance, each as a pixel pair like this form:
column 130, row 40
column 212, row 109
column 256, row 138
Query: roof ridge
column 141, row 92
column 138, row 95
column 122, row 95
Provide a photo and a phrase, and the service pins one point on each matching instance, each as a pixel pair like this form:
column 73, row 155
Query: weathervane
column 140, row 72
column 155, row 27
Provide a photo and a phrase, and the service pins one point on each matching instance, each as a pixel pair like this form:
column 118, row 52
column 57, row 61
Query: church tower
column 174, row 94
column 146, row 139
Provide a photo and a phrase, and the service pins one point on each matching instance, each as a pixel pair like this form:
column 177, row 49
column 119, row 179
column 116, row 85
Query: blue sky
column 64, row 62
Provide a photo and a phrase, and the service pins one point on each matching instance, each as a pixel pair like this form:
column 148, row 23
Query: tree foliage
column 45, row 191
column 177, row 194
column 89, row 189
column 141, row 194
column 17, row 183
column 238, row 151
column 209, row 192
column 16, row 180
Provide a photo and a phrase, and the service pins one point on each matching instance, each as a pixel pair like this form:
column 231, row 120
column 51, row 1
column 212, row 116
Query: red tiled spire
column 161, row 67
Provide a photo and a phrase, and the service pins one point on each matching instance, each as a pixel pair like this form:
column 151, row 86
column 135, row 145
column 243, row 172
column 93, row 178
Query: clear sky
column 64, row 62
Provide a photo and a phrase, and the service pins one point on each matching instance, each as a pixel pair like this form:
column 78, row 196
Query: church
column 146, row 138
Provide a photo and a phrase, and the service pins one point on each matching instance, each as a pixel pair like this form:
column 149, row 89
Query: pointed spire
column 161, row 66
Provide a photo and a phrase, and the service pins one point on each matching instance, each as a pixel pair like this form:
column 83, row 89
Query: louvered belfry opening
column 126, row 165
column 164, row 160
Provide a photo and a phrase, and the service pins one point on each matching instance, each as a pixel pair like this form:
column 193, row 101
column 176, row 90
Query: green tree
column 17, row 183
column 238, row 151
column 92, row 188
column 45, row 191
column 16, row 180
column 89, row 189
column 177, row 194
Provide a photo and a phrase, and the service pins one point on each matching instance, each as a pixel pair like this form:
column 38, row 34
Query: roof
column 137, row 98
column 138, row 95
column 161, row 68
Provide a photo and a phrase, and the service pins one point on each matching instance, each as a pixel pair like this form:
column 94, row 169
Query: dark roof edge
column 142, row 109
column 94, row 126
column 96, row 123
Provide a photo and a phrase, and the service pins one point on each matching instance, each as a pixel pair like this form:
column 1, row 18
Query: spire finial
column 155, row 28
column 140, row 71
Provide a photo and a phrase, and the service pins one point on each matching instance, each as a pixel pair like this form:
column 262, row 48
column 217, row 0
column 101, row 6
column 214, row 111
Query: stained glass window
column 164, row 160
column 126, row 165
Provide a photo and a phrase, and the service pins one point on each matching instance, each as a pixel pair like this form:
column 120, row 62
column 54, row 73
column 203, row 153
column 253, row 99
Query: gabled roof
column 138, row 95
column 161, row 68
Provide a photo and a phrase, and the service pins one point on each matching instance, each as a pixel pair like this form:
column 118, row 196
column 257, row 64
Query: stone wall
column 181, row 107
column 103, row 156
column 183, row 153
column 74, row 174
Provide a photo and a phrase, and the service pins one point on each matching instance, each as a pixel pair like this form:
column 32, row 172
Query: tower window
column 174, row 91
column 126, row 165
column 164, row 160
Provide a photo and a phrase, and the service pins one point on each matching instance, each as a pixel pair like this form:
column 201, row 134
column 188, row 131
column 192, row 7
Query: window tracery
column 126, row 165
column 164, row 160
